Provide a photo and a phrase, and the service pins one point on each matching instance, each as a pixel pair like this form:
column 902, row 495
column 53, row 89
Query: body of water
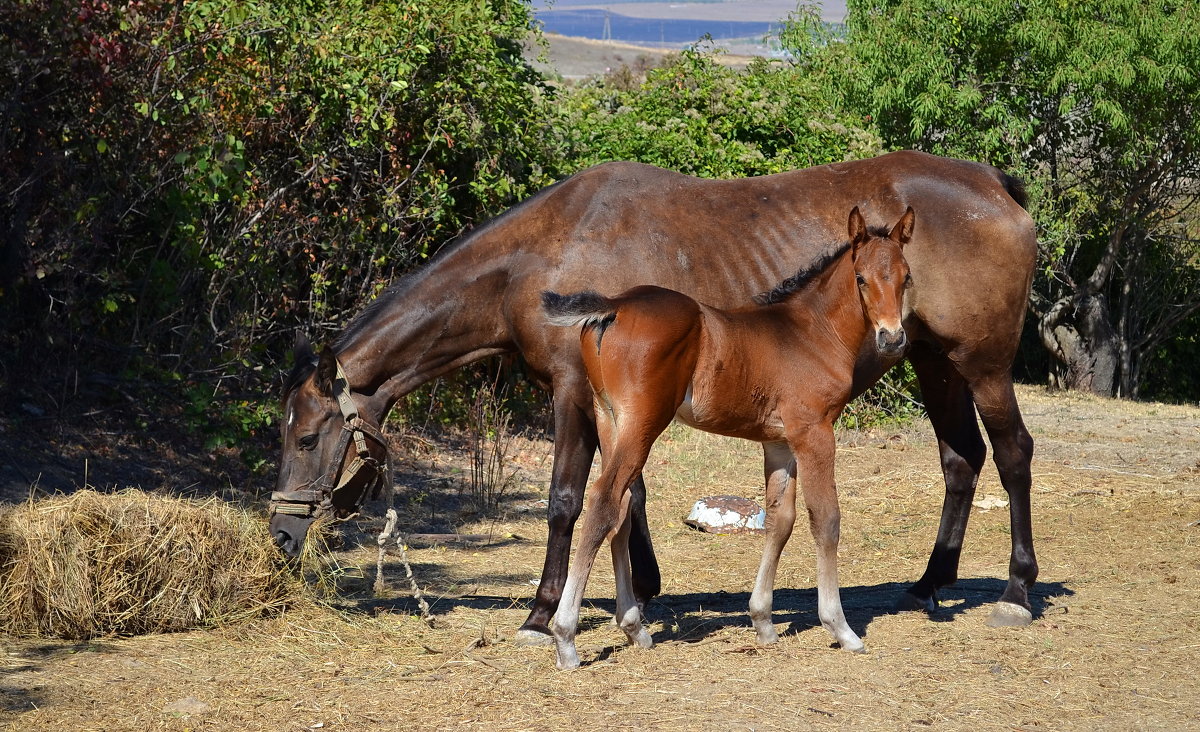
column 606, row 25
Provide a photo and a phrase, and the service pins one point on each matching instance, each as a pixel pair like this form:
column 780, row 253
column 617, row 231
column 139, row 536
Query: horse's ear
column 857, row 228
column 902, row 232
column 302, row 351
column 326, row 372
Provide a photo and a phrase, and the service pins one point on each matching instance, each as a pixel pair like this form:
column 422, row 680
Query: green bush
column 188, row 183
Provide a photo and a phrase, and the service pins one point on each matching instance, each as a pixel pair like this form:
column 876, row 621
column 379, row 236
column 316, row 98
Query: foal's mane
column 806, row 275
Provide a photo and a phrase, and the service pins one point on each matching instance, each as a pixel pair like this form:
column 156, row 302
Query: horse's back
column 622, row 224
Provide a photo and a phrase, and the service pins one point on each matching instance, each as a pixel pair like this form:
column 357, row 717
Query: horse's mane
column 395, row 291
column 806, row 275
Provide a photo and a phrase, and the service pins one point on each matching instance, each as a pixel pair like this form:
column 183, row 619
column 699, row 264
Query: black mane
column 800, row 280
column 397, row 289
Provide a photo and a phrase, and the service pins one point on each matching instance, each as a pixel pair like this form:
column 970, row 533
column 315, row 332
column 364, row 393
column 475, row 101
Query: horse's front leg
column 575, row 445
column 815, row 449
column 780, row 469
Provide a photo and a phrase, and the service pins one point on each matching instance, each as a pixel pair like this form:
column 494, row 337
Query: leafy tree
column 183, row 184
column 1095, row 102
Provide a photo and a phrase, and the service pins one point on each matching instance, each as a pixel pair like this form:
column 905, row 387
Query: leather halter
column 319, row 500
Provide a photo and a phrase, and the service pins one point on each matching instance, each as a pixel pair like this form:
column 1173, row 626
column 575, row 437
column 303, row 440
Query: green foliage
column 700, row 117
column 188, row 183
column 1092, row 102
column 895, row 399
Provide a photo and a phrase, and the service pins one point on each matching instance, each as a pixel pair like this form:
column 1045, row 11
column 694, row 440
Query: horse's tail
column 581, row 308
column 1015, row 188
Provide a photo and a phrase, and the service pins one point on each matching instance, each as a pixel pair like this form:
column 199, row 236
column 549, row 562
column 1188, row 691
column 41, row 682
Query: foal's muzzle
column 890, row 342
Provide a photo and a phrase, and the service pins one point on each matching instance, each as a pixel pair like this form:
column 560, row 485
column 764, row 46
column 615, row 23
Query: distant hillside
column 578, row 58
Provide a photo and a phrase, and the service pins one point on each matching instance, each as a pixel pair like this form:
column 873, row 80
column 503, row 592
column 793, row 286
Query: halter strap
column 315, row 502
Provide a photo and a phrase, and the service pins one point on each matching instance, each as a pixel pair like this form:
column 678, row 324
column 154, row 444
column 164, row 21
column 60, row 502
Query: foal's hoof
column 908, row 602
column 1009, row 615
column 529, row 638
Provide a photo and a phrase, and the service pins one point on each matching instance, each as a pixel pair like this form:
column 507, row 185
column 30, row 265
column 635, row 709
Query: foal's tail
column 581, row 308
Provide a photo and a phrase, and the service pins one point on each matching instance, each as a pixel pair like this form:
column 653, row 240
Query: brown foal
column 778, row 373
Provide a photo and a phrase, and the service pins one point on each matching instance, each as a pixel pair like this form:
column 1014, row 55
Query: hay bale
column 93, row 564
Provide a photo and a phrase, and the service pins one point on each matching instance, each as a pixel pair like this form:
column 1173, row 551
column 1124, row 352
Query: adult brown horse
column 720, row 241
column 779, row 374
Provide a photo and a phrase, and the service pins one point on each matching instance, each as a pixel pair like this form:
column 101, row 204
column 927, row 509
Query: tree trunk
column 1080, row 337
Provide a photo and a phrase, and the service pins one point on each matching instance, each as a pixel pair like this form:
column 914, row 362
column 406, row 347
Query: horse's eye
column 861, row 282
column 908, row 280
column 307, row 442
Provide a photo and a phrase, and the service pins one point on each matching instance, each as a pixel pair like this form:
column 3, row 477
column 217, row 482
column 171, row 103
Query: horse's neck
column 441, row 317
column 828, row 311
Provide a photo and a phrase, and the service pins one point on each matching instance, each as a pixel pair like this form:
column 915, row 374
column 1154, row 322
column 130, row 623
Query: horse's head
column 883, row 276
column 331, row 458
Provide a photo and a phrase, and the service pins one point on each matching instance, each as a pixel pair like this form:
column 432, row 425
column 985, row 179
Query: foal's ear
column 857, row 228
column 326, row 372
column 902, row 232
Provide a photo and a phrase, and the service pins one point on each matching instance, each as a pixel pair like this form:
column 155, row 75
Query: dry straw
column 93, row 564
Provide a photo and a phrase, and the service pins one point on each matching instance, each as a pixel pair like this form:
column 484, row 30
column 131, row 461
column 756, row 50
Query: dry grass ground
column 1115, row 644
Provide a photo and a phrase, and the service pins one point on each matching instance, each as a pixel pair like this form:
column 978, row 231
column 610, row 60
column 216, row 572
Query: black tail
column 1016, row 188
column 580, row 308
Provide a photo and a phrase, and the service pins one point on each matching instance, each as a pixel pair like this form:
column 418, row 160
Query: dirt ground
column 1115, row 643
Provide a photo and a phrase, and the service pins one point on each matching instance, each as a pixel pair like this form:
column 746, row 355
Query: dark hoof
column 1009, row 615
column 908, row 602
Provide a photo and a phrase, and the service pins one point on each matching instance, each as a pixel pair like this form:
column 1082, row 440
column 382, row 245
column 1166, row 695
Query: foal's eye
column 908, row 280
column 307, row 442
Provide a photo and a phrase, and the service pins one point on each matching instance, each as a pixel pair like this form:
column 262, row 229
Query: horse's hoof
column 567, row 660
column 852, row 648
column 767, row 636
column 643, row 639
column 529, row 638
column 908, row 602
column 1009, row 615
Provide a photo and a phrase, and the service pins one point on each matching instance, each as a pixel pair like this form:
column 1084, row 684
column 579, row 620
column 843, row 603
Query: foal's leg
column 952, row 413
column 575, row 444
column 608, row 511
column 780, row 468
column 815, row 448
column 629, row 612
column 1012, row 447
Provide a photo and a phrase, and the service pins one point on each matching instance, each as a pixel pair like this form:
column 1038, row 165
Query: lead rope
column 388, row 532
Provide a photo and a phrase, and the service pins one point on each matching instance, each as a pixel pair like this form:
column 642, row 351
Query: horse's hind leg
column 952, row 413
column 779, row 466
column 629, row 613
column 575, row 444
column 608, row 514
column 1012, row 449
column 574, row 447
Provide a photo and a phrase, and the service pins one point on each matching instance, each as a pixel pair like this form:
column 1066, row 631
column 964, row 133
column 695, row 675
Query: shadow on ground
column 689, row 617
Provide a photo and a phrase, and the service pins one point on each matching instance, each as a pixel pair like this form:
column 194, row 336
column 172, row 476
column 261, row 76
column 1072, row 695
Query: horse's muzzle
column 289, row 531
column 889, row 342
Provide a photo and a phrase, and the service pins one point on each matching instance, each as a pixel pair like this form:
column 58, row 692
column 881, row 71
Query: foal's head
column 882, row 275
